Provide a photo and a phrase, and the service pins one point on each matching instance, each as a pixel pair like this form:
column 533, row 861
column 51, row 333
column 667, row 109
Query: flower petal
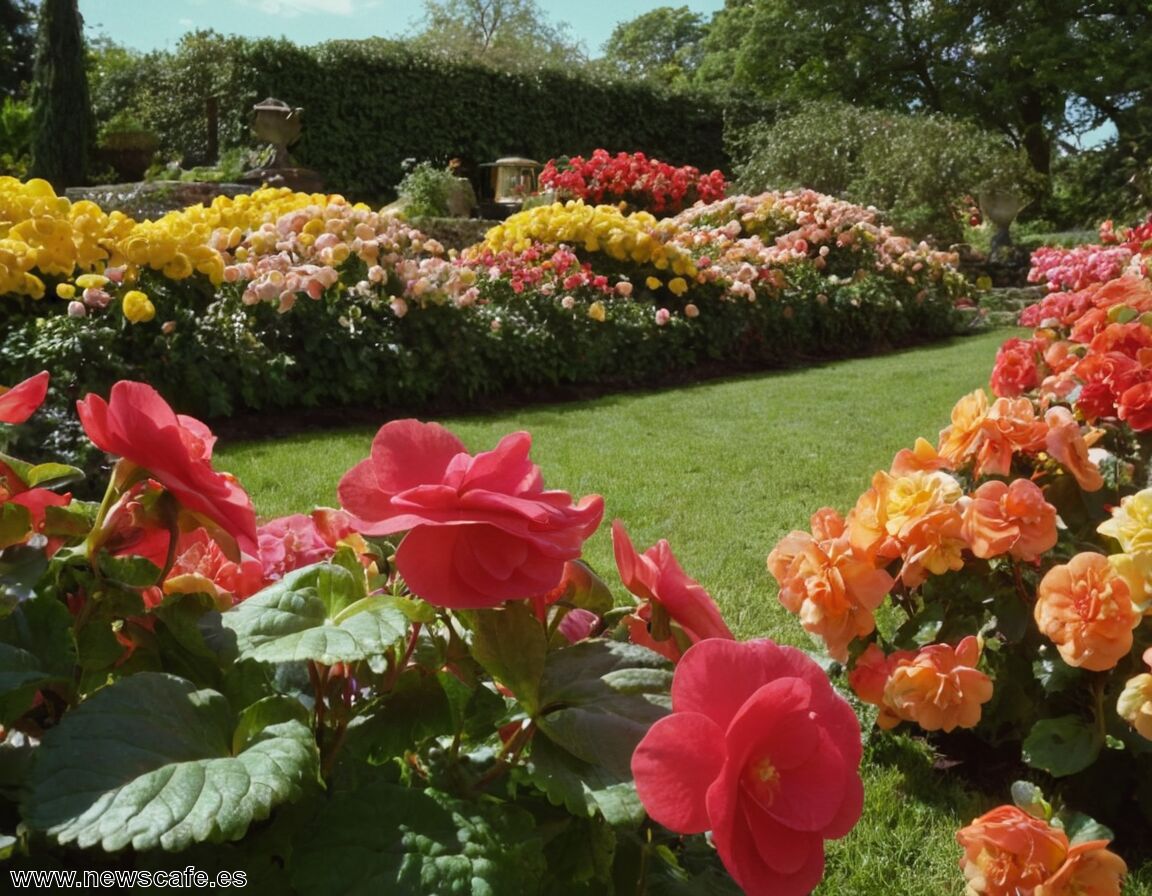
column 674, row 765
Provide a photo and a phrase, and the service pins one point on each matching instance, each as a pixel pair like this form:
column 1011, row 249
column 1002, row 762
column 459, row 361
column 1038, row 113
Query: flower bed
column 238, row 305
column 999, row 582
column 423, row 690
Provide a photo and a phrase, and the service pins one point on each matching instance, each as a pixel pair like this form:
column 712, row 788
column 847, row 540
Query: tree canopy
column 506, row 34
column 17, row 44
column 663, row 45
column 63, row 129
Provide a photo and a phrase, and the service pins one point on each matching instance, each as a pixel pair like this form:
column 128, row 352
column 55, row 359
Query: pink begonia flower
column 657, row 579
column 760, row 750
column 288, row 543
column 135, row 423
column 20, row 402
column 481, row 530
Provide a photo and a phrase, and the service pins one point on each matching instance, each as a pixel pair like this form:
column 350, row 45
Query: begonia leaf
column 582, row 788
column 36, row 649
column 511, row 644
column 599, row 697
column 132, row 572
column 21, row 569
column 388, row 839
column 146, row 762
column 15, row 524
column 1062, row 746
column 46, row 475
column 1082, row 828
column 315, row 613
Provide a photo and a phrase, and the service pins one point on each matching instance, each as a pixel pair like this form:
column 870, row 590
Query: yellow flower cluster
column 43, row 234
column 637, row 237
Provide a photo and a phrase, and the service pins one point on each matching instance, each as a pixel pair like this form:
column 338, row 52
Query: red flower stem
column 509, row 756
column 318, row 694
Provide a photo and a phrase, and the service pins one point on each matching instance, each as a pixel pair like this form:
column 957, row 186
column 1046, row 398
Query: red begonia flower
column 481, row 530
column 656, row 578
column 760, row 750
column 21, row 401
column 138, row 425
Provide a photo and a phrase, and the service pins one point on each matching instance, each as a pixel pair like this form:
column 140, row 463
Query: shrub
column 915, row 167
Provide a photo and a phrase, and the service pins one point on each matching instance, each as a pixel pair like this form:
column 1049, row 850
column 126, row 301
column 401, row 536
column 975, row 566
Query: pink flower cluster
column 776, row 228
column 304, row 251
column 1079, row 267
column 646, row 184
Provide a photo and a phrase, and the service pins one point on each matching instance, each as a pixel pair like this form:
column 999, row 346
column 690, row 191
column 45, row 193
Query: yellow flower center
column 762, row 781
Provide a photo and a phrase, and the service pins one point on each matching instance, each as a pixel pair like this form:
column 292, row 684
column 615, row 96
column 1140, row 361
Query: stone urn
column 129, row 152
column 275, row 122
column 1001, row 206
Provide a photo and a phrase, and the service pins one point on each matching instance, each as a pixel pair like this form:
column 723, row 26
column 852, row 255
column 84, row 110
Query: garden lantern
column 513, row 179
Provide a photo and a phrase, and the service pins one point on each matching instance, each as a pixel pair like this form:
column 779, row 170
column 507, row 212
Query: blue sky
column 158, row 24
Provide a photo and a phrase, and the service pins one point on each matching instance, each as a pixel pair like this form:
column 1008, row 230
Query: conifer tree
column 63, row 126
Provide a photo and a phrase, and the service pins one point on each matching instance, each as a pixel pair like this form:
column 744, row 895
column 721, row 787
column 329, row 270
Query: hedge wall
column 370, row 104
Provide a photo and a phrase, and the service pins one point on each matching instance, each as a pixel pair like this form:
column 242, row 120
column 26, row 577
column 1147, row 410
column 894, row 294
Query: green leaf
column 1062, row 746
column 15, row 524
column 1030, row 798
column 388, row 839
column 47, row 475
column 36, row 649
column 316, row 614
column 264, row 714
column 600, row 697
column 582, row 788
column 1081, row 828
column 21, row 569
column 511, row 644
column 131, row 572
column 146, row 763
column 73, row 521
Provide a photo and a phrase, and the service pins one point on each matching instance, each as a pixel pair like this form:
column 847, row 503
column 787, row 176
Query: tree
column 664, row 45
column 504, row 34
column 63, row 128
column 17, row 44
column 1018, row 68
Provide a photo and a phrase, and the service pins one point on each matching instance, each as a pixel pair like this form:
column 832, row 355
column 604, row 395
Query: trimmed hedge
column 370, row 104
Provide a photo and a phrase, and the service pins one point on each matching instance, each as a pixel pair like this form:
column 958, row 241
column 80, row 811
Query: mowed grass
column 722, row 470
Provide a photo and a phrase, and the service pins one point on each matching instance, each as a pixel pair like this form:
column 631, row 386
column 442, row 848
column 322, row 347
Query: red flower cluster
column 1092, row 347
column 646, row 184
column 544, row 268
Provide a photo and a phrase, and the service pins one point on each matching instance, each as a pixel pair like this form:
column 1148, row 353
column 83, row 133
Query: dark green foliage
column 63, row 129
column 17, row 44
column 393, row 103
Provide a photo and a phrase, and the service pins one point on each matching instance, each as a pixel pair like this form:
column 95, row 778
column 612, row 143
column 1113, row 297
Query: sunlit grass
column 722, row 470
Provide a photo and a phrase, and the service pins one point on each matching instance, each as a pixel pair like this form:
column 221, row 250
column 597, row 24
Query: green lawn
column 722, row 470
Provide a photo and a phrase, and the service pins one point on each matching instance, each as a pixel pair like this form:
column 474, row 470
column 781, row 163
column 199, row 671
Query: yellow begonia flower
column 597, row 312
column 1131, row 523
column 653, row 283
column 91, row 281
column 678, row 286
column 65, row 291
column 138, row 308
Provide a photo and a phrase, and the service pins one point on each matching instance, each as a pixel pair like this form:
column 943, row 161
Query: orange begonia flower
column 1010, row 426
column 1067, row 444
column 1009, row 519
column 1008, row 852
column 1088, row 870
column 939, row 688
column 959, row 441
column 1084, row 606
column 832, row 589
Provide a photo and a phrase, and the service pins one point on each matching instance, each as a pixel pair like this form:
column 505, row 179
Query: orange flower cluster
column 1008, row 852
column 827, row 584
column 938, row 687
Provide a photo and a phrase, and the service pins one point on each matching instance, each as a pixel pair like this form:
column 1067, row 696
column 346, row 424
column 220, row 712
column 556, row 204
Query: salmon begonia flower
column 824, row 582
column 1008, row 852
column 939, row 688
column 1066, row 443
column 663, row 587
column 869, row 677
column 1013, row 519
column 1015, row 370
column 761, row 750
column 201, row 567
column 480, row 530
column 135, row 423
column 1084, row 607
column 1135, row 703
column 1131, row 523
column 1088, row 870
column 288, row 543
column 1010, row 426
column 20, row 402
